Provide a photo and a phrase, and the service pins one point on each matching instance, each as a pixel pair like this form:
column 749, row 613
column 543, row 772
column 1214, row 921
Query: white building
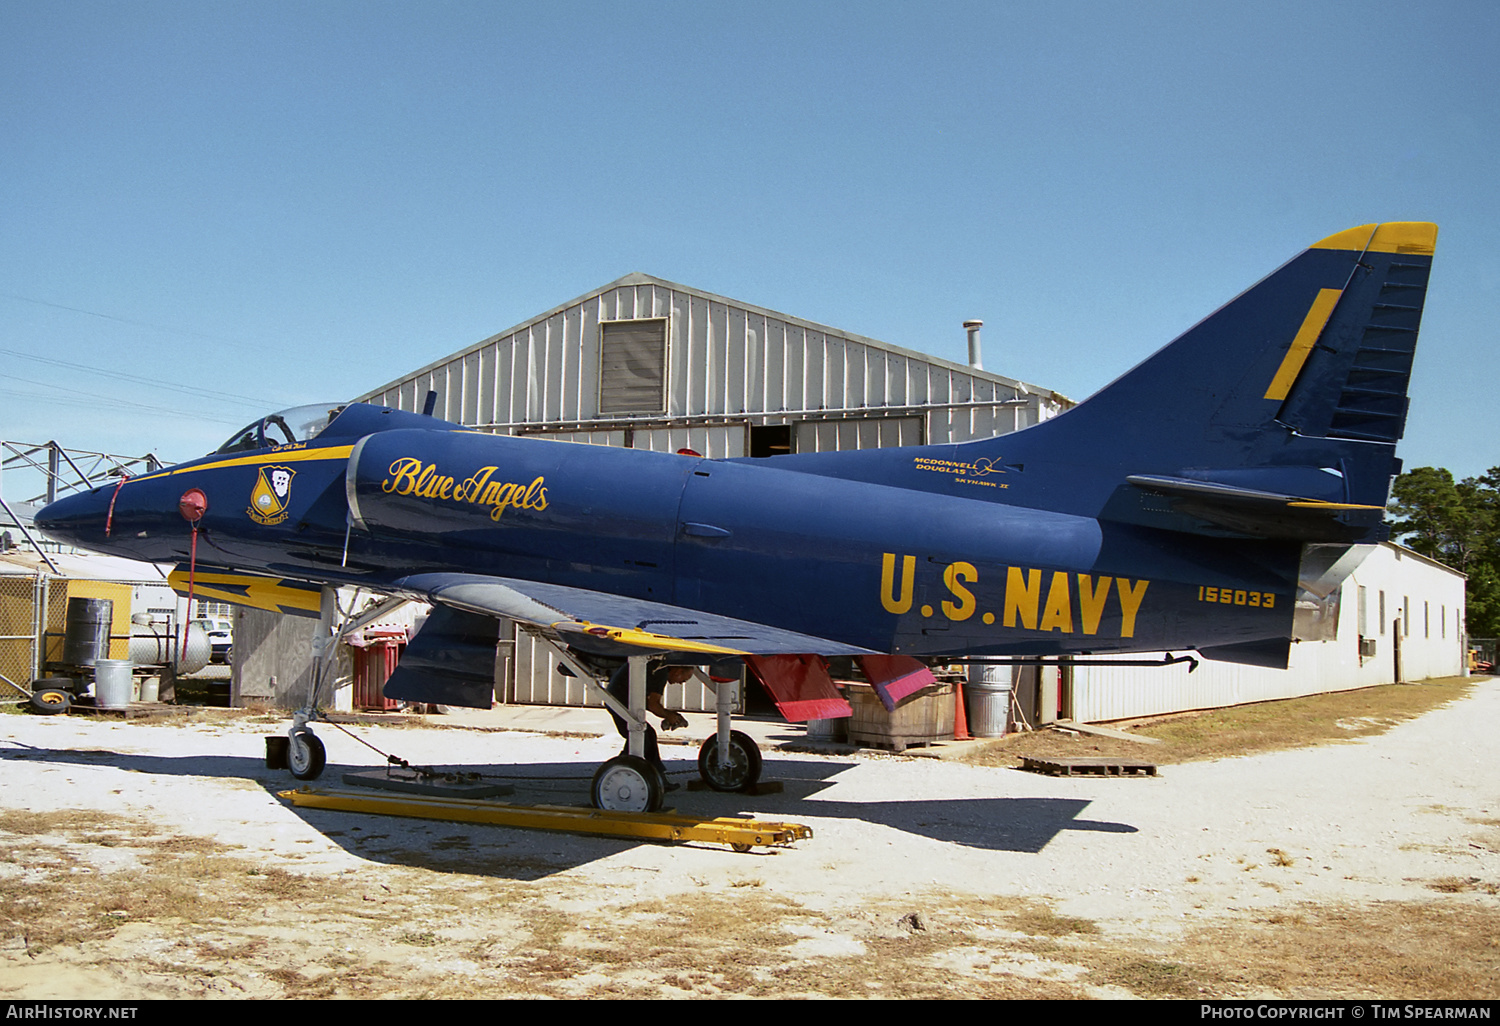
column 1397, row 604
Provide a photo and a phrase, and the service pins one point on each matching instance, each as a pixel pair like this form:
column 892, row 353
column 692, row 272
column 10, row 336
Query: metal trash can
column 112, row 683
column 987, row 699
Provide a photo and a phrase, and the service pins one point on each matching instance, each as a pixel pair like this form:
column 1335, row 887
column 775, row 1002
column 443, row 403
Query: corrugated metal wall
column 724, row 360
column 857, row 433
column 716, row 442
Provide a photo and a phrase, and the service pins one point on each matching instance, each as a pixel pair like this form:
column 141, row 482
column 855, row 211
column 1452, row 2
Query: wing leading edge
column 612, row 624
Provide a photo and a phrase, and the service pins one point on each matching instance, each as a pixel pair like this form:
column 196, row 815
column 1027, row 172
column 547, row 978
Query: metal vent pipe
column 972, row 327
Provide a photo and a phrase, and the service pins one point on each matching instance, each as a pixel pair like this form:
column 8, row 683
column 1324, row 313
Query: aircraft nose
column 76, row 519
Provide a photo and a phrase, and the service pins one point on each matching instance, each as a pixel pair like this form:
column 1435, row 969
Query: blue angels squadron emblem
column 271, row 495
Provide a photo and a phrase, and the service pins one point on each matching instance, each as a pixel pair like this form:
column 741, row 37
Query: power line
column 126, row 320
column 193, row 390
column 257, row 402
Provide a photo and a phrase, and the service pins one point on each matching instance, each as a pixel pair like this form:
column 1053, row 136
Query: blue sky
column 209, row 210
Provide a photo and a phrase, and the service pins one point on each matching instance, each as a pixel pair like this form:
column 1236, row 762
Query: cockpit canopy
column 298, row 424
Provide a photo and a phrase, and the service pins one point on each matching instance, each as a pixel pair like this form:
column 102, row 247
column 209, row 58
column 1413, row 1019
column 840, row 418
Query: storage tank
column 156, row 643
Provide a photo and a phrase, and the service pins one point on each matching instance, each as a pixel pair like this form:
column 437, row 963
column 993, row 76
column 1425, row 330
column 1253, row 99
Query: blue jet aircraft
column 1181, row 507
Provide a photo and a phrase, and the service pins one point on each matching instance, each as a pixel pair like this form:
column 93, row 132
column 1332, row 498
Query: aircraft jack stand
column 740, row 834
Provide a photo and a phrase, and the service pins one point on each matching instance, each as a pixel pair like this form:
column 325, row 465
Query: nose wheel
column 628, row 784
column 743, row 765
column 305, row 755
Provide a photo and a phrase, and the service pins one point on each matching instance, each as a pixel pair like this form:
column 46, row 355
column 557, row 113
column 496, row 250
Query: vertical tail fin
column 1276, row 416
column 1349, row 379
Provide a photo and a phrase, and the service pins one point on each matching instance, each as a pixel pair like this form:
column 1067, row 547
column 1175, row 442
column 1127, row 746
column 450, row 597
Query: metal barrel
column 86, row 637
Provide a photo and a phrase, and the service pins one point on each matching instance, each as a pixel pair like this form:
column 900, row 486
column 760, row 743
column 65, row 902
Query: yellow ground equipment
column 739, row 834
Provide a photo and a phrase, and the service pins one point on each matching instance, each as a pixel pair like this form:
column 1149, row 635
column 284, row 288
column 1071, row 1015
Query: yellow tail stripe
column 1309, row 504
column 1312, row 326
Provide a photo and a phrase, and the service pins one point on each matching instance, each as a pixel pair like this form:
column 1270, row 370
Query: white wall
column 1432, row 645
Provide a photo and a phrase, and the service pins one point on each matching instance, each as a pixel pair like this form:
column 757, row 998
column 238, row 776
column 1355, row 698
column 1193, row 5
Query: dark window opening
column 770, row 440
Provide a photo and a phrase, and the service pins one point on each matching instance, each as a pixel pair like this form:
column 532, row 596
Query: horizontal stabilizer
column 1248, row 511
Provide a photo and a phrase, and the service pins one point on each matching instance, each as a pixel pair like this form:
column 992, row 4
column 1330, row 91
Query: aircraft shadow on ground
column 1023, row 825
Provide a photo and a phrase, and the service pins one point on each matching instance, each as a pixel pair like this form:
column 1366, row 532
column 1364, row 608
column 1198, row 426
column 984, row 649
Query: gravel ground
column 1374, row 820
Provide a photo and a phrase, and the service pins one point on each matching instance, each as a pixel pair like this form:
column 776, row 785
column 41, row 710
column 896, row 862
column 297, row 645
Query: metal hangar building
column 652, row 364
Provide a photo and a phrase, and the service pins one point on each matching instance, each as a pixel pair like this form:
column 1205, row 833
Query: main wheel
column 50, row 701
column 744, row 763
column 628, row 784
column 306, row 755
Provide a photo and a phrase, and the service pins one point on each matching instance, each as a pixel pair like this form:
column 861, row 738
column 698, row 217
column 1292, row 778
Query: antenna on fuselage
column 430, row 403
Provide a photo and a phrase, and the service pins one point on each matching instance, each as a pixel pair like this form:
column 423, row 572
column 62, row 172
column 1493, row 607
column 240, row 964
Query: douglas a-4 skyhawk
column 1181, row 507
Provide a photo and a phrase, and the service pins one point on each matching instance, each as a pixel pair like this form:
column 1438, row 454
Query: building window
column 633, row 366
column 1382, row 612
column 1426, row 623
column 1406, row 616
column 1443, row 619
column 1364, row 631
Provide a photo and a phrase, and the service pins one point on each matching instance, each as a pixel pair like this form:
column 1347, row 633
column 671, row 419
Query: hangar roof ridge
column 641, row 278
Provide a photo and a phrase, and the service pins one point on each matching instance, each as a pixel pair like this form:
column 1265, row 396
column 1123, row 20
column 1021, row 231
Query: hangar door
column 858, row 433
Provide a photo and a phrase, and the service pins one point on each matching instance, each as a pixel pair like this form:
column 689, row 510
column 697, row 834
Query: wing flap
column 451, row 661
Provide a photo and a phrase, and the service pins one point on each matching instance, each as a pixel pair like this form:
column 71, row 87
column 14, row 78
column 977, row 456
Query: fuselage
column 935, row 560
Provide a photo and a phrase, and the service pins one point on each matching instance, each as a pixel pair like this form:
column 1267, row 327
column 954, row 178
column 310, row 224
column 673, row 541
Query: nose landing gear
column 306, row 755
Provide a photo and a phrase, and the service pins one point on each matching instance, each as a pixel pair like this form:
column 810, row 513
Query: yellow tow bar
column 739, row 834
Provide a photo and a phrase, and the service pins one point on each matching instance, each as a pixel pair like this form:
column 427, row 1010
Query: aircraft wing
column 613, row 624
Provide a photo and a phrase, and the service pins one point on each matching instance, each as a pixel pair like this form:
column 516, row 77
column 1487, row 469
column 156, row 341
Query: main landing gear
column 628, row 784
column 727, row 761
column 739, row 771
